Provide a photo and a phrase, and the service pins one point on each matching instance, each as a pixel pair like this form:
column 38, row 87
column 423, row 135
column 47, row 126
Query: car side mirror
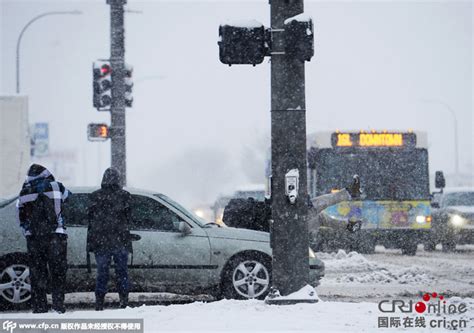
column 435, row 204
column 440, row 181
column 184, row 228
column 135, row 237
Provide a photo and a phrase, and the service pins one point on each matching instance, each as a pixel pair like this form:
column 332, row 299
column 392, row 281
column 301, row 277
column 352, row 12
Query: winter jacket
column 109, row 215
column 40, row 180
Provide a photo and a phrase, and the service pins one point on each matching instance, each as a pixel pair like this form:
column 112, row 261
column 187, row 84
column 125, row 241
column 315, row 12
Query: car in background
column 452, row 219
column 175, row 251
column 255, row 191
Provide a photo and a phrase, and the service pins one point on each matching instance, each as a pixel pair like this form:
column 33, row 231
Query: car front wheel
column 15, row 285
column 247, row 278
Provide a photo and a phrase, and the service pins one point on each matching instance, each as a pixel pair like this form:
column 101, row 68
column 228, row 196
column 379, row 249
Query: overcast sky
column 199, row 127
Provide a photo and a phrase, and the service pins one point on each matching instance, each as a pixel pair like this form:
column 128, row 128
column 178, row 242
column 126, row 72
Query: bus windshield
column 385, row 174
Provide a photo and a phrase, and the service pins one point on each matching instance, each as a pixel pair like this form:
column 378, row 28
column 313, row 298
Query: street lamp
column 455, row 126
column 73, row 12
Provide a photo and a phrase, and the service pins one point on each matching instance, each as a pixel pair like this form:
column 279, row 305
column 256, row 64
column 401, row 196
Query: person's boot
column 123, row 300
column 99, row 302
column 42, row 309
column 58, row 302
column 39, row 302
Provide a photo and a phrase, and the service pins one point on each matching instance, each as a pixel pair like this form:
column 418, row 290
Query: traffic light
column 97, row 132
column 242, row 43
column 128, row 85
column 299, row 37
column 102, row 85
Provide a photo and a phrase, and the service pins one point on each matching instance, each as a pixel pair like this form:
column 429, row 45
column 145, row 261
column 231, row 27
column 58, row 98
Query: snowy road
column 350, row 295
column 356, row 277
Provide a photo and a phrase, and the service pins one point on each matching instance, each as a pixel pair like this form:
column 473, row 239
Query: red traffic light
column 105, row 69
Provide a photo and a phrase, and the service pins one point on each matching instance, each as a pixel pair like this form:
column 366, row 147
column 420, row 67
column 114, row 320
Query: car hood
column 238, row 233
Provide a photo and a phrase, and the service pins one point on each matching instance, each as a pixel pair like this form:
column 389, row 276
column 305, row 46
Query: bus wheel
column 366, row 244
column 410, row 247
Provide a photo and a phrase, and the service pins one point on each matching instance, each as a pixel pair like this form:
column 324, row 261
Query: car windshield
column 458, row 199
column 183, row 210
column 6, row 201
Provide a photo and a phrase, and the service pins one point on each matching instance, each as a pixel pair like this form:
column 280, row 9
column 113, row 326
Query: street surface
column 353, row 277
column 370, row 277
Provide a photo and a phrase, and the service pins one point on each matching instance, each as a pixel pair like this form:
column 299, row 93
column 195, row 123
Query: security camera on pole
column 289, row 42
column 112, row 88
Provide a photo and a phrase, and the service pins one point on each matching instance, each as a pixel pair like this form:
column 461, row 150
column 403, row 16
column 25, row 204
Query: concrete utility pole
column 117, row 110
column 289, row 234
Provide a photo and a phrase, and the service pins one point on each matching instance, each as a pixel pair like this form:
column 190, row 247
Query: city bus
column 394, row 209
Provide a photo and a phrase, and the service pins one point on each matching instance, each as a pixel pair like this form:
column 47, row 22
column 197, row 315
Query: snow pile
column 359, row 269
column 404, row 276
column 306, row 294
column 342, row 261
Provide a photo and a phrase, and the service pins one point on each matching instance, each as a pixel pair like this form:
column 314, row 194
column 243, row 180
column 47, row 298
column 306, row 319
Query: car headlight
column 420, row 219
column 457, row 221
column 312, row 254
column 199, row 212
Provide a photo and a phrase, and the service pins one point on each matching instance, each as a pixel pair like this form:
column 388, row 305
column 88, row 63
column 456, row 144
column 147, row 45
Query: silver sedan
column 176, row 252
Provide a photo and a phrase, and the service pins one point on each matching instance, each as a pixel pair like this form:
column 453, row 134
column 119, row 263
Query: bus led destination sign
column 373, row 139
column 380, row 139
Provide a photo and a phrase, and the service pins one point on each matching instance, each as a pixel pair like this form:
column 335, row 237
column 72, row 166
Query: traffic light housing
column 128, row 85
column 98, row 132
column 299, row 38
column 102, row 85
column 242, row 44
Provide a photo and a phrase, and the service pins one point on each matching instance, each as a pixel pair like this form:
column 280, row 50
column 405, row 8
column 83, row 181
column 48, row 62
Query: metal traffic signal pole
column 288, row 140
column 117, row 110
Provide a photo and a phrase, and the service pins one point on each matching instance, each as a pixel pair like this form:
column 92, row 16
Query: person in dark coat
column 39, row 212
column 108, row 235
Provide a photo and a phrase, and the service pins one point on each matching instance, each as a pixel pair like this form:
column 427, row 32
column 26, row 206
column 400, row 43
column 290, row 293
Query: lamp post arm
column 18, row 42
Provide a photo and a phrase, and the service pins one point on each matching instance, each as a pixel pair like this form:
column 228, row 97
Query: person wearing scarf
column 46, row 240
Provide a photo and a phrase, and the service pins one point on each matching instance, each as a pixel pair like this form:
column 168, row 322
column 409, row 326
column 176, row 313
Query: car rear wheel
column 247, row 278
column 15, row 284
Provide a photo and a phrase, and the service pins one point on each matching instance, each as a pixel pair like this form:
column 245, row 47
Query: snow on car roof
column 90, row 189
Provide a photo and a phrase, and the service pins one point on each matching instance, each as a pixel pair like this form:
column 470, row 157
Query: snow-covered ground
column 255, row 316
column 350, row 295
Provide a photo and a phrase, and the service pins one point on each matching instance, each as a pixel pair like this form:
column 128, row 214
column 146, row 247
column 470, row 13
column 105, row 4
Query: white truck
column 14, row 143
